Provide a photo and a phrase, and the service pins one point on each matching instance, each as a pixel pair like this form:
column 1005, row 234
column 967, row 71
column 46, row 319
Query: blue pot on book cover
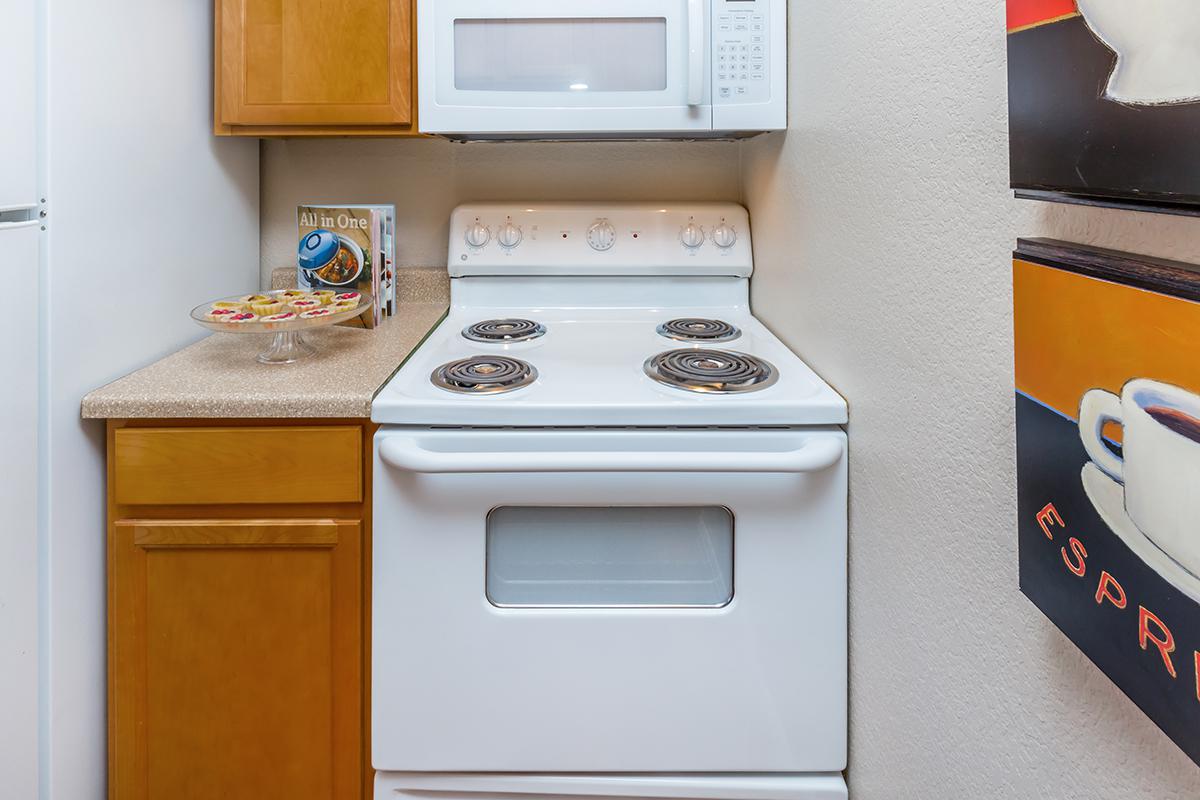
column 330, row 259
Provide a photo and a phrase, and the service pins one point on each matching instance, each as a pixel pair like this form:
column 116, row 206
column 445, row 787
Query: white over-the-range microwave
column 596, row 69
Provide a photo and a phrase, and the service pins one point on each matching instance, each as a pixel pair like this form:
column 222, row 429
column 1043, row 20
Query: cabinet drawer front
column 201, row 466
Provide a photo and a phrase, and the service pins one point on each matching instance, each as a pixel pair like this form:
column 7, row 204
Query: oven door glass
column 561, row 55
column 610, row 557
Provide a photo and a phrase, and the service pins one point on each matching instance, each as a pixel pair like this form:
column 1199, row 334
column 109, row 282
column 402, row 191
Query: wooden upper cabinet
column 303, row 68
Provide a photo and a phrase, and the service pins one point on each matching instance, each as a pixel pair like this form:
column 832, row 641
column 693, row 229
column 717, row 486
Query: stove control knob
column 724, row 236
column 510, row 235
column 692, row 236
column 602, row 235
column 478, row 234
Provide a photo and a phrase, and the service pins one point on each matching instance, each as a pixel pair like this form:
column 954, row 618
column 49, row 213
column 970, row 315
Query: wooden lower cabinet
column 238, row 639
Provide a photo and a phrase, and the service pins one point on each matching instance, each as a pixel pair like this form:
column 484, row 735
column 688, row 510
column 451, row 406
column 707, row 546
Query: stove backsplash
column 426, row 179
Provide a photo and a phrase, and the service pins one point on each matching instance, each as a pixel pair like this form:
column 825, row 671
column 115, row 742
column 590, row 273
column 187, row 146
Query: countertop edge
column 161, row 390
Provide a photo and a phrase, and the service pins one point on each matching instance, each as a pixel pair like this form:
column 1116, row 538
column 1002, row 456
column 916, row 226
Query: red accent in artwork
column 1079, row 566
column 1049, row 516
column 1165, row 643
column 1102, row 591
column 1026, row 13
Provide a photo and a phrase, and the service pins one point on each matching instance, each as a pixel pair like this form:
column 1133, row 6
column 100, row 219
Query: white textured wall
column 882, row 231
column 427, row 178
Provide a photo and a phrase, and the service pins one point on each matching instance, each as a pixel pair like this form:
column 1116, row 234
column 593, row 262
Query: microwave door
column 530, row 67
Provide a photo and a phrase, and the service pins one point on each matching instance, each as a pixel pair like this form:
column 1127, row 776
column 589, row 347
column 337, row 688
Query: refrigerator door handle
column 11, row 226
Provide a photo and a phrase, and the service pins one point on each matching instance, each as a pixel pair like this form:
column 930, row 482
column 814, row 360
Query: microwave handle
column 406, row 453
column 696, row 50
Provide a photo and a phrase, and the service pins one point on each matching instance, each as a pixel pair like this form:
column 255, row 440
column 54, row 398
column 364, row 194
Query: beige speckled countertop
column 218, row 377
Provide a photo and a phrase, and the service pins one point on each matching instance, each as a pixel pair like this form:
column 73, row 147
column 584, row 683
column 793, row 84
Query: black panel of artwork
column 1066, row 138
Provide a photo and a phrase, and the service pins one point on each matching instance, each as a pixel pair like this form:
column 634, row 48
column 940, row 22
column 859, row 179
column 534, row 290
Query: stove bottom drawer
column 432, row 786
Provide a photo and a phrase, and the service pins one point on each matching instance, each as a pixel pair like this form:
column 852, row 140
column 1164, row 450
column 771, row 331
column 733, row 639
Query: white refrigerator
column 119, row 211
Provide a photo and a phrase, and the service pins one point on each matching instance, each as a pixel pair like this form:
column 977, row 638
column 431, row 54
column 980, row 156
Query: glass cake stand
column 287, row 338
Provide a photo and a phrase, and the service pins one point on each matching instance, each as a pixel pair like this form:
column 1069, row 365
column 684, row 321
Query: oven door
column 609, row 601
column 529, row 67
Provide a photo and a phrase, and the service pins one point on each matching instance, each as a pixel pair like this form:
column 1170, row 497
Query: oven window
column 610, row 557
column 561, row 55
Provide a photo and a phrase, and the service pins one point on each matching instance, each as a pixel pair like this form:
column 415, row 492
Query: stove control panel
column 600, row 239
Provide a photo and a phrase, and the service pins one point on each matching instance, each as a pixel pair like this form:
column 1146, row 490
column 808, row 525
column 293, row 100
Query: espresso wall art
column 1104, row 102
column 1108, row 466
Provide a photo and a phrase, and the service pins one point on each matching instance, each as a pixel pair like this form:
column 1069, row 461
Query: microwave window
column 610, row 557
column 561, row 55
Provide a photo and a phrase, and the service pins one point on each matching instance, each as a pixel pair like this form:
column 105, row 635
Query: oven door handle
column 406, row 453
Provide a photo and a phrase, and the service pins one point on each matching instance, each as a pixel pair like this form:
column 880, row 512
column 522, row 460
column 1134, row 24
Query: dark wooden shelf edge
column 1145, row 206
column 1175, row 278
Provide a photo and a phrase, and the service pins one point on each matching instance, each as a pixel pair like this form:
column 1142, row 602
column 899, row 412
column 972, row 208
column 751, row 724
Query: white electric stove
column 609, row 524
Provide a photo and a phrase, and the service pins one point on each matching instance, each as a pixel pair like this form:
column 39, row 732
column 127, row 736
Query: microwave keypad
column 742, row 58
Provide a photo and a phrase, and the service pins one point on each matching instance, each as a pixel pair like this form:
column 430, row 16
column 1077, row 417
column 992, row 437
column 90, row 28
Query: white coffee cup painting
column 1160, row 462
column 1157, row 43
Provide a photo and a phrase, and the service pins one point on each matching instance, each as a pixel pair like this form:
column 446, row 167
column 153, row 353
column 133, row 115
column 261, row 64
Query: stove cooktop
column 605, row 367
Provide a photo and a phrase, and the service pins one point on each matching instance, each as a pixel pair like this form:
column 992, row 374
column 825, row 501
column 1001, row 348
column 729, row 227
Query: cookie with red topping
column 241, row 317
column 304, row 304
column 267, row 308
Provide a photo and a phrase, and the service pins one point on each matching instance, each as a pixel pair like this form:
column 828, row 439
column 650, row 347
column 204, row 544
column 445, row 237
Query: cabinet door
column 296, row 62
column 236, row 659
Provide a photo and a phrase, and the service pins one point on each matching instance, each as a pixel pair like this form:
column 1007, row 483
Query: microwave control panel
column 741, row 51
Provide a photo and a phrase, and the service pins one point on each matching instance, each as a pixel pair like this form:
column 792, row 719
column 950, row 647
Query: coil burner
column 694, row 329
column 715, row 371
column 505, row 331
column 484, row 375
